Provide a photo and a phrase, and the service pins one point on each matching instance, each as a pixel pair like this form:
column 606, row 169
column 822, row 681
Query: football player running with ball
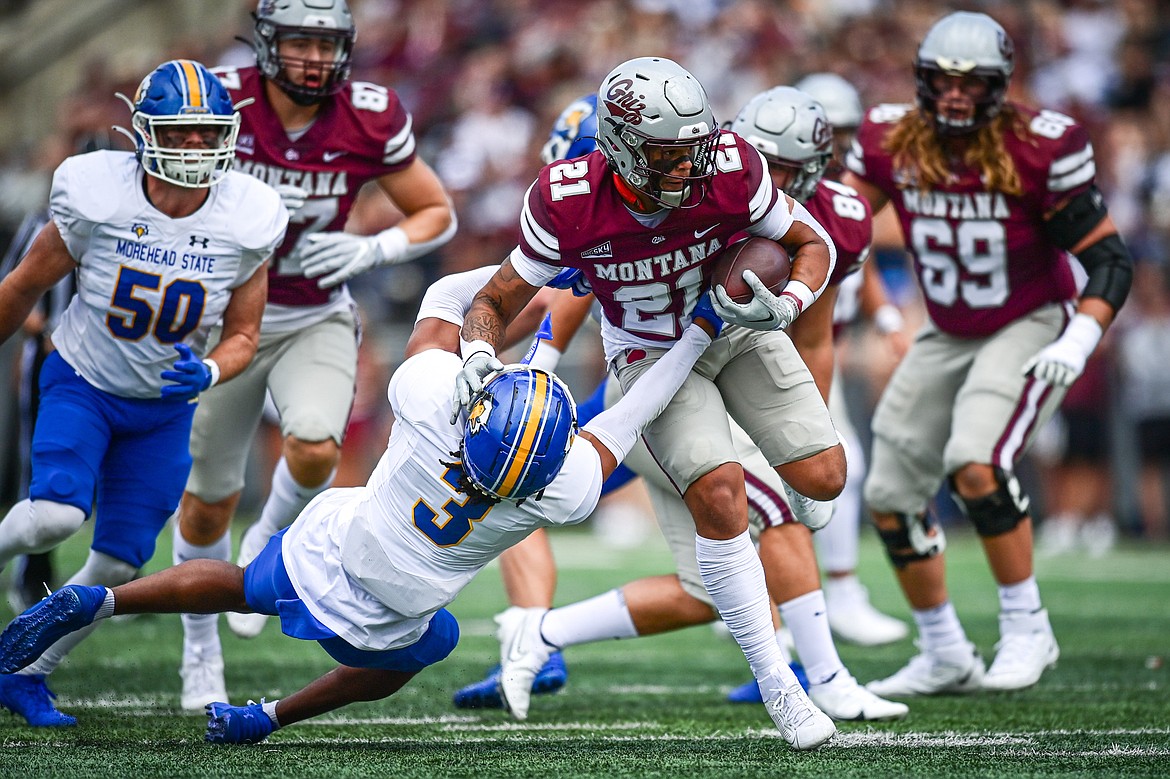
column 990, row 196
column 643, row 219
column 318, row 138
column 166, row 242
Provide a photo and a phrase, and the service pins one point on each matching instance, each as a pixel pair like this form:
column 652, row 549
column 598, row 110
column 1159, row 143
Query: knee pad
column 999, row 512
column 52, row 523
column 918, row 537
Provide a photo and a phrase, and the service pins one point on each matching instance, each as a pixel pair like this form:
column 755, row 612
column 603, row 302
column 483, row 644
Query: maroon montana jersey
column 982, row 258
column 647, row 279
column 360, row 134
column 846, row 217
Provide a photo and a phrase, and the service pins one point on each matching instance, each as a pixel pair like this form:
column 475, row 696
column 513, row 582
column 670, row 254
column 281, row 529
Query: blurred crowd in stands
column 484, row 80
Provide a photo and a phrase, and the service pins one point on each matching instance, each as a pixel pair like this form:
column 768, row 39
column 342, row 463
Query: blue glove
column 572, row 278
column 705, row 311
column 190, row 374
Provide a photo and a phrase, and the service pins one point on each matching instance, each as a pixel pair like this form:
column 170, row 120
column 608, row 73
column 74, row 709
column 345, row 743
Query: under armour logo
column 199, row 241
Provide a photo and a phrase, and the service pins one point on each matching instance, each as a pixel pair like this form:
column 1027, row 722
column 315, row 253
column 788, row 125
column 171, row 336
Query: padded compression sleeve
column 450, row 297
column 618, row 428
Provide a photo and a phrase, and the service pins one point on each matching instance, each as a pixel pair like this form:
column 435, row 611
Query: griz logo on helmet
column 622, row 101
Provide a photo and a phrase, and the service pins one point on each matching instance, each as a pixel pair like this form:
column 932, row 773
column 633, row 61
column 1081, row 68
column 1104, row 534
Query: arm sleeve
column 618, row 428
column 450, row 297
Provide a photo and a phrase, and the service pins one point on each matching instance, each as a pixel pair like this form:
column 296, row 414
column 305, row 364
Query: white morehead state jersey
column 374, row 563
column 147, row 281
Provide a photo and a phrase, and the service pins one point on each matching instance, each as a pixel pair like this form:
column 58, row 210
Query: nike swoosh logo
column 701, row 233
column 330, row 156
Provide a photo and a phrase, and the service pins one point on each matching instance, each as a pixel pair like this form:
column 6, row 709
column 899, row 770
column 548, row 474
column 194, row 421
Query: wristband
column 545, row 357
column 888, row 319
column 805, row 297
column 468, row 348
column 212, row 366
column 393, row 244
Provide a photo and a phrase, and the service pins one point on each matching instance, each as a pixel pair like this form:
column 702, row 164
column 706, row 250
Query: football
column 767, row 259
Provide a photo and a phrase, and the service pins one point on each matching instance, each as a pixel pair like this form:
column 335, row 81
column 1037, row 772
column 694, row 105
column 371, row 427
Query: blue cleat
column 29, row 696
column 749, row 692
column 227, row 724
column 485, row 694
column 28, row 636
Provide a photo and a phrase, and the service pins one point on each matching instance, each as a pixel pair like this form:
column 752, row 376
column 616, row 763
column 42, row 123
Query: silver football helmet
column 653, row 102
column 963, row 44
column 791, row 130
column 277, row 19
column 837, row 96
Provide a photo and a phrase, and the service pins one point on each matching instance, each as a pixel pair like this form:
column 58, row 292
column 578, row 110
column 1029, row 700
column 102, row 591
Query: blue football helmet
column 519, row 431
column 183, row 93
column 574, row 133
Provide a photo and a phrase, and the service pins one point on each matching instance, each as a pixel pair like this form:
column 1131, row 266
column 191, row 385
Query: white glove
column 471, row 379
column 292, row 196
column 1063, row 360
column 764, row 311
column 338, row 257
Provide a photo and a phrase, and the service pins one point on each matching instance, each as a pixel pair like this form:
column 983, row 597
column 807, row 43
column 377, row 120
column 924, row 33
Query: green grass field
column 646, row 708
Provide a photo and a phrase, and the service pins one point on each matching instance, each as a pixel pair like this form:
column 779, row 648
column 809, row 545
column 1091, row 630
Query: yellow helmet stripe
column 193, row 85
column 532, row 425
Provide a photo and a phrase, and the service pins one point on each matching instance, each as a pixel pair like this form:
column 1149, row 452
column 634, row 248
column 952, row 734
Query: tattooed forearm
column 484, row 322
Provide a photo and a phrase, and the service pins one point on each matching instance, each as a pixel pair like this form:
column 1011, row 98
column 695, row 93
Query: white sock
column 837, row 543
column 105, row 610
column 1021, row 596
column 201, row 630
column 939, row 628
column 781, row 644
column 596, row 619
column 270, row 709
column 734, row 578
column 806, row 618
column 99, row 569
column 287, row 499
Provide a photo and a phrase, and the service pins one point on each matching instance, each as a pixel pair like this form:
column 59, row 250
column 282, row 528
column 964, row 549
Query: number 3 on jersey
column 457, row 519
column 178, row 314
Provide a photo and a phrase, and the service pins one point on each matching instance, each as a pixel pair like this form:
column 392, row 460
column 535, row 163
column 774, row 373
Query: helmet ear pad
column 520, row 428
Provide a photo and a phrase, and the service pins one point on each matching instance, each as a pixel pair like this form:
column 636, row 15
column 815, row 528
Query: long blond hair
column 921, row 161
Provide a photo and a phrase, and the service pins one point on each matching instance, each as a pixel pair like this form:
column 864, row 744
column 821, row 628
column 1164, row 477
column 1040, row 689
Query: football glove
column 470, row 380
column 333, row 258
column 1062, row 361
column 190, row 374
column 574, row 279
column 705, row 311
column 764, row 311
column 292, row 196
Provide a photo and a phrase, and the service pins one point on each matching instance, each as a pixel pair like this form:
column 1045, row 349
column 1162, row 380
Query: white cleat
column 202, row 674
column 798, row 719
column 853, row 618
column 842, row 698
column 813, row 514
column 252, row 624
column 930, row 674
column 1026, row 649
column 523, row 653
